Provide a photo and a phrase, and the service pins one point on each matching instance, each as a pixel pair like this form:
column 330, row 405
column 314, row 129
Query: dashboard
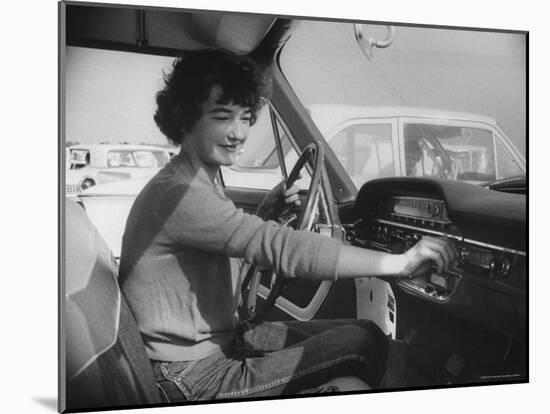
column 488, row 284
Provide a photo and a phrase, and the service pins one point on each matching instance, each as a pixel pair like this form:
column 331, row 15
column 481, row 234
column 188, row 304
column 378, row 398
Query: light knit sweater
column 176, row 268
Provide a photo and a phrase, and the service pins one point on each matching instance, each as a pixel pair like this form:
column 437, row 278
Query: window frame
column 382, row 121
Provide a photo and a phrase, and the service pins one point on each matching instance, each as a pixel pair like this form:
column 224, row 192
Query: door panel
column 246, row 198
column 339, row 303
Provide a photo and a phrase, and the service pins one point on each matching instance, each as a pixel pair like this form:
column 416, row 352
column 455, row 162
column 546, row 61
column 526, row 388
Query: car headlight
column 86, row 184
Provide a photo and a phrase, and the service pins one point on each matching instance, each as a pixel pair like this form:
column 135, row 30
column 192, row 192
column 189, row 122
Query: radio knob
column 464, row 254
column 379, row 232
column 504, row 266
column 385, row 234
column 411, row 240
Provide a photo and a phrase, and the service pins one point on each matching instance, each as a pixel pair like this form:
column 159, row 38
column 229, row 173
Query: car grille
column 71, row 189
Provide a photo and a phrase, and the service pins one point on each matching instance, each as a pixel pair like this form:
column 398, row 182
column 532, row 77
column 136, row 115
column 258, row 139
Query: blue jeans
column 279, row 358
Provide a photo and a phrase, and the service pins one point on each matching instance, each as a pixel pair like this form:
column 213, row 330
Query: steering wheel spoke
column 251, row 311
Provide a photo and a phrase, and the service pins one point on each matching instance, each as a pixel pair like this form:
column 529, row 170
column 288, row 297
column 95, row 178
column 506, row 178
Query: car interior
column 465, row 326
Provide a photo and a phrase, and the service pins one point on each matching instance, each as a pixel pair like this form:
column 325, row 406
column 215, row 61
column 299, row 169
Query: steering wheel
column 250, row 311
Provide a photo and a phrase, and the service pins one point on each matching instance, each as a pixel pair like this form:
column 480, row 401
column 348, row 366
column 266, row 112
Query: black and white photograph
column 265, row 206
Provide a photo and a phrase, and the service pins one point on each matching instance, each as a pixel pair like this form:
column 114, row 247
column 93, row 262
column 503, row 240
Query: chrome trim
column 406, row 226
column 301, row 314
column 365, row 243
column 420, row 291
column 421, row 218
column 452, row 236
column 409, row 285
column 314, row 208
column 492, row 246
column 416, row 198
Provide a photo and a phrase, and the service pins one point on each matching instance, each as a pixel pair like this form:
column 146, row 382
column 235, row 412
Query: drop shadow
column 48, row 402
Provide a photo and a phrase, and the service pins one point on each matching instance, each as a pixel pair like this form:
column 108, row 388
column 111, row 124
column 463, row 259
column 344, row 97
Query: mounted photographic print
column 258, row 207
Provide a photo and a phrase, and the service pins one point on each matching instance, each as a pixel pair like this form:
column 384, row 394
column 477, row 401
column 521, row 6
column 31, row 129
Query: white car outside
column 377, row 142
column 88, row 165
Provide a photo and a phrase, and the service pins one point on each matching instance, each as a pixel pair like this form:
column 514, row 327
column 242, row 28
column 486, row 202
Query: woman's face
column 220, row 132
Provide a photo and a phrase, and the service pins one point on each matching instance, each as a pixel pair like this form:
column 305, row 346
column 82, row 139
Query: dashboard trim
column 407, row 226
column 452, row 236
column 492, row 246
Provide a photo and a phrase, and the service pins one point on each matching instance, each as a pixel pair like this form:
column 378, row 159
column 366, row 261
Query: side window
column 151, row 159
column 120, row 159
column 507, row 167
column 79, row 159
column 258, row 164
column 365, row 151
column 145, row 159
column 449, row 151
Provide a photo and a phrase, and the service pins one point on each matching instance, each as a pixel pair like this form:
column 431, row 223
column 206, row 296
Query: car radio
column 474, row 259
column 397, row 238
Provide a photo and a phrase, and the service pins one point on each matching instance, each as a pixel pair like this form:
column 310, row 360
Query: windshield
column 436, row 102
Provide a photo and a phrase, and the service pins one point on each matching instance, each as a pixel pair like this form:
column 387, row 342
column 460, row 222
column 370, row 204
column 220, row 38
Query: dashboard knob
column 411, row 240
column 385, row 235
column 464, row 254
column 504, row 266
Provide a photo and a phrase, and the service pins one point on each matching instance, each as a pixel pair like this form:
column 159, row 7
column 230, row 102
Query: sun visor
column 143, row 30
column 240, row 34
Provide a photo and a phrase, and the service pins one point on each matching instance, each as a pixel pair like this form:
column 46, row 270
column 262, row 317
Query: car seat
column 105, row 360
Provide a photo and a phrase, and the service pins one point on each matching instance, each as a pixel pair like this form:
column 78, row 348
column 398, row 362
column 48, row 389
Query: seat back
column 106, row 363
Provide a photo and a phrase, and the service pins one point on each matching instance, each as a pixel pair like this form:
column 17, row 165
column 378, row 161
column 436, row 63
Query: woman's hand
column 429, row 251
column 280, row 192
column 290, row 195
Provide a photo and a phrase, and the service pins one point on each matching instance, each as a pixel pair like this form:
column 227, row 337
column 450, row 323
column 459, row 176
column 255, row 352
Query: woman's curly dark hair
column 189, row 84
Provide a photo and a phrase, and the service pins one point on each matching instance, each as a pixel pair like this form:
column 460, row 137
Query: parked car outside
column 377, row 142
column 91, row 164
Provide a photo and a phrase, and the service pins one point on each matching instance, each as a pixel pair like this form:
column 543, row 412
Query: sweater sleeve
column 197, row 216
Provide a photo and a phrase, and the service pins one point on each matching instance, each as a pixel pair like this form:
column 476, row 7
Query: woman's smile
column 231, row 147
